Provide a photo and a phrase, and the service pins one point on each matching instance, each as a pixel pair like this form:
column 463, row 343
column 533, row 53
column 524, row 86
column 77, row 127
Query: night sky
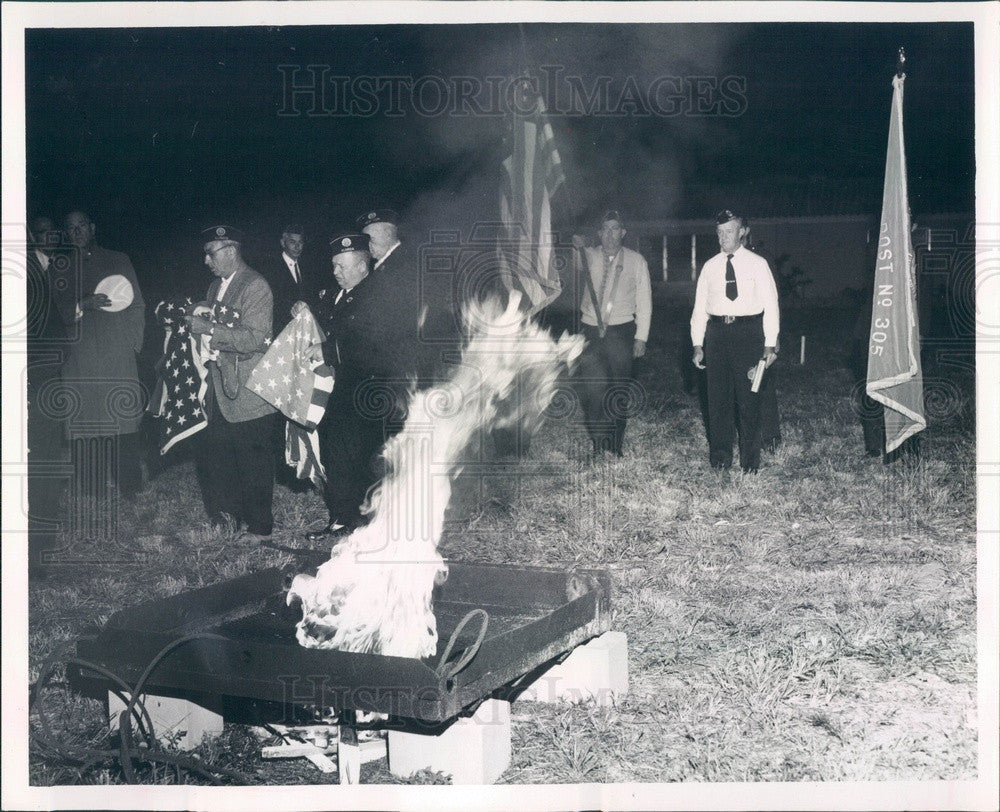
column 157, row 131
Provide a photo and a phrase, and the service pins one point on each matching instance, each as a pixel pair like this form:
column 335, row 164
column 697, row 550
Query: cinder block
column 176, row 721
column 472, row 750
column 597, row 670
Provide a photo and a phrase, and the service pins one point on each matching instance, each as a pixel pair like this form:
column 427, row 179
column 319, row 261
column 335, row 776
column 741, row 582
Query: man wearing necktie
column 371, row 329
column 286, row 278
column 734, row 325
column 616, row 310
column 289, row 284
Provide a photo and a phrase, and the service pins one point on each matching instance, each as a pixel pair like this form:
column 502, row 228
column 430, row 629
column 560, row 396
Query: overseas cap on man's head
column 726, row 215
column 294, row 228
column 613, row 214
column 345, row 243
column 221, row 232
column 377, row 216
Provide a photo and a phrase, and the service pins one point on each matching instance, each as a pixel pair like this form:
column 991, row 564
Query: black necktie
column 295, row 272
column 731, row 292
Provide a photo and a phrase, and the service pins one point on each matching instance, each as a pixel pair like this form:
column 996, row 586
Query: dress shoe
column 257, row 535
column 330, row 531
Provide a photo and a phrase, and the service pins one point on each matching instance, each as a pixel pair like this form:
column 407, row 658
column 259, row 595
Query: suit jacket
column 286, row 291
column 101, row 361
column 241, row 347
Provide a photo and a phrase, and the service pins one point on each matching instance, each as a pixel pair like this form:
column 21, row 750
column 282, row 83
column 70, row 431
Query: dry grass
column 813, row 622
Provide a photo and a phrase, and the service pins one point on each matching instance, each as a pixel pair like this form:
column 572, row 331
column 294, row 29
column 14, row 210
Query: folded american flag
column 293, row 378
column 179, row 396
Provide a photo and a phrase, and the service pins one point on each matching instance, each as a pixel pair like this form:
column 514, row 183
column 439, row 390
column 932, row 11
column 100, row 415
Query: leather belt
column 731, row 319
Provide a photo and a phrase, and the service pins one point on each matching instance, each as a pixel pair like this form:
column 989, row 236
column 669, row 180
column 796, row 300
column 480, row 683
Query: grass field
column 813, row 622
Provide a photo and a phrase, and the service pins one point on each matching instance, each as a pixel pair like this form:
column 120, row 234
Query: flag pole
column 581, row 266
column 894, row 376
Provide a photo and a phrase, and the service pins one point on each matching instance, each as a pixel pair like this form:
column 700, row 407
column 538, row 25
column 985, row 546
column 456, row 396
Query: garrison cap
column 377, row 216
column 726, row 215
column 221, row 232
column 345, row 243
column 613, row 214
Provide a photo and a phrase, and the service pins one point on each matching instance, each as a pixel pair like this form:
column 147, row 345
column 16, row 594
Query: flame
column 374, row 594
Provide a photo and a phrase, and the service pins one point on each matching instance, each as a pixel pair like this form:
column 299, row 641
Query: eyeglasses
column 214, row 251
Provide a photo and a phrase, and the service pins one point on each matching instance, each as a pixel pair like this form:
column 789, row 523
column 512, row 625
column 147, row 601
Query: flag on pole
column 293, row 378
column 894, row 376
column 532, row 175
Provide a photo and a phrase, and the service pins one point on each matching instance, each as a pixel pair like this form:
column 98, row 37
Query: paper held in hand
column 756, row 375
column 118, row 289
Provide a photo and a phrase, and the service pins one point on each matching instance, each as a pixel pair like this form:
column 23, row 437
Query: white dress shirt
column 385, row 256
column 631, row 298
column 756, row 291
column 43, row 259
column 207, row 352
column 292, row 266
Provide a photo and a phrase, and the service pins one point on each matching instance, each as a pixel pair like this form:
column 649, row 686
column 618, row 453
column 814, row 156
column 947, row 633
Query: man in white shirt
column 288, row 280
column 734, row 325
column 616, row 309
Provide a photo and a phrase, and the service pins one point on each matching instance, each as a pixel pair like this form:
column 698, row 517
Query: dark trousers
column 349, row 446
column 730, row 351
column 604, row 378
column 235, row 465
column 47, row 480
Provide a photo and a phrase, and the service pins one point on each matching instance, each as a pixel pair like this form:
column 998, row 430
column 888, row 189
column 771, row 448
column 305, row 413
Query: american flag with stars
column 179, row 397
column 293, row 378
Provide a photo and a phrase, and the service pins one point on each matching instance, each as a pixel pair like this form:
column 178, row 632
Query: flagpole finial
column 900, row 62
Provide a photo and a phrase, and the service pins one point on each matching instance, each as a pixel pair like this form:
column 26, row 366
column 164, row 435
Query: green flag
column 894, row 377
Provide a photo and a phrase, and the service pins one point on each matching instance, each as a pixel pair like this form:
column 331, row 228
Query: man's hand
column 199, row 325
column 201, row 310
column 638, row 349
column 770, row 356
column 95, row 301
column 698, row 359
column 298, row 307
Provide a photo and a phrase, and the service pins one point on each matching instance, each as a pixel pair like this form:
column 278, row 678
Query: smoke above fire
column 374, row 595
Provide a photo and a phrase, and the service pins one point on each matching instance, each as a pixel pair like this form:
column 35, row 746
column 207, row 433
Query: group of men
column 366, row 308
column 369, row 308
column 734, row 326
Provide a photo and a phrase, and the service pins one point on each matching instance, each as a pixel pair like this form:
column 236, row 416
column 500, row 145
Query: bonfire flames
column 375, row 593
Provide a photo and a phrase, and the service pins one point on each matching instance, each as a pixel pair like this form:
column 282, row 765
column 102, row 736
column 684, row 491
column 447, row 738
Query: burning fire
column 374, row 594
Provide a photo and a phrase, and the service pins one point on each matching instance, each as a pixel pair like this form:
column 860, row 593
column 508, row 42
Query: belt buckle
column 728, row 319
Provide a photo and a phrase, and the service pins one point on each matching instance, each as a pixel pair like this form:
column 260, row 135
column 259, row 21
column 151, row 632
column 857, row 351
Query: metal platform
column 535, row 615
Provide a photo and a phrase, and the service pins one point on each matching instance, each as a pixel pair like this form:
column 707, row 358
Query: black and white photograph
column 428, row 405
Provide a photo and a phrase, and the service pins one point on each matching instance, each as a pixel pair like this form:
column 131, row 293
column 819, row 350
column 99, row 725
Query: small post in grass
column 802, row 351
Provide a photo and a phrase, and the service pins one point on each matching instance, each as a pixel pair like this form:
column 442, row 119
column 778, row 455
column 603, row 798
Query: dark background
column 159, row 132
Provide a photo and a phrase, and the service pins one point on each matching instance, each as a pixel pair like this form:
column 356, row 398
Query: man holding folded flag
column 894, row 376
column 293, row 378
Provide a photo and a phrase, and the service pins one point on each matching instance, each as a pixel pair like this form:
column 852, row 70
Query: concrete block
column 175, row 721
column 597, row 670
column 472, row 750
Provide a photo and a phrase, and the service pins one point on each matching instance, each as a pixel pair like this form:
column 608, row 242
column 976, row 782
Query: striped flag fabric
column 179, row 396
column 293, row 378
column 532, row 175
column 894, row 375
column 292, row 375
